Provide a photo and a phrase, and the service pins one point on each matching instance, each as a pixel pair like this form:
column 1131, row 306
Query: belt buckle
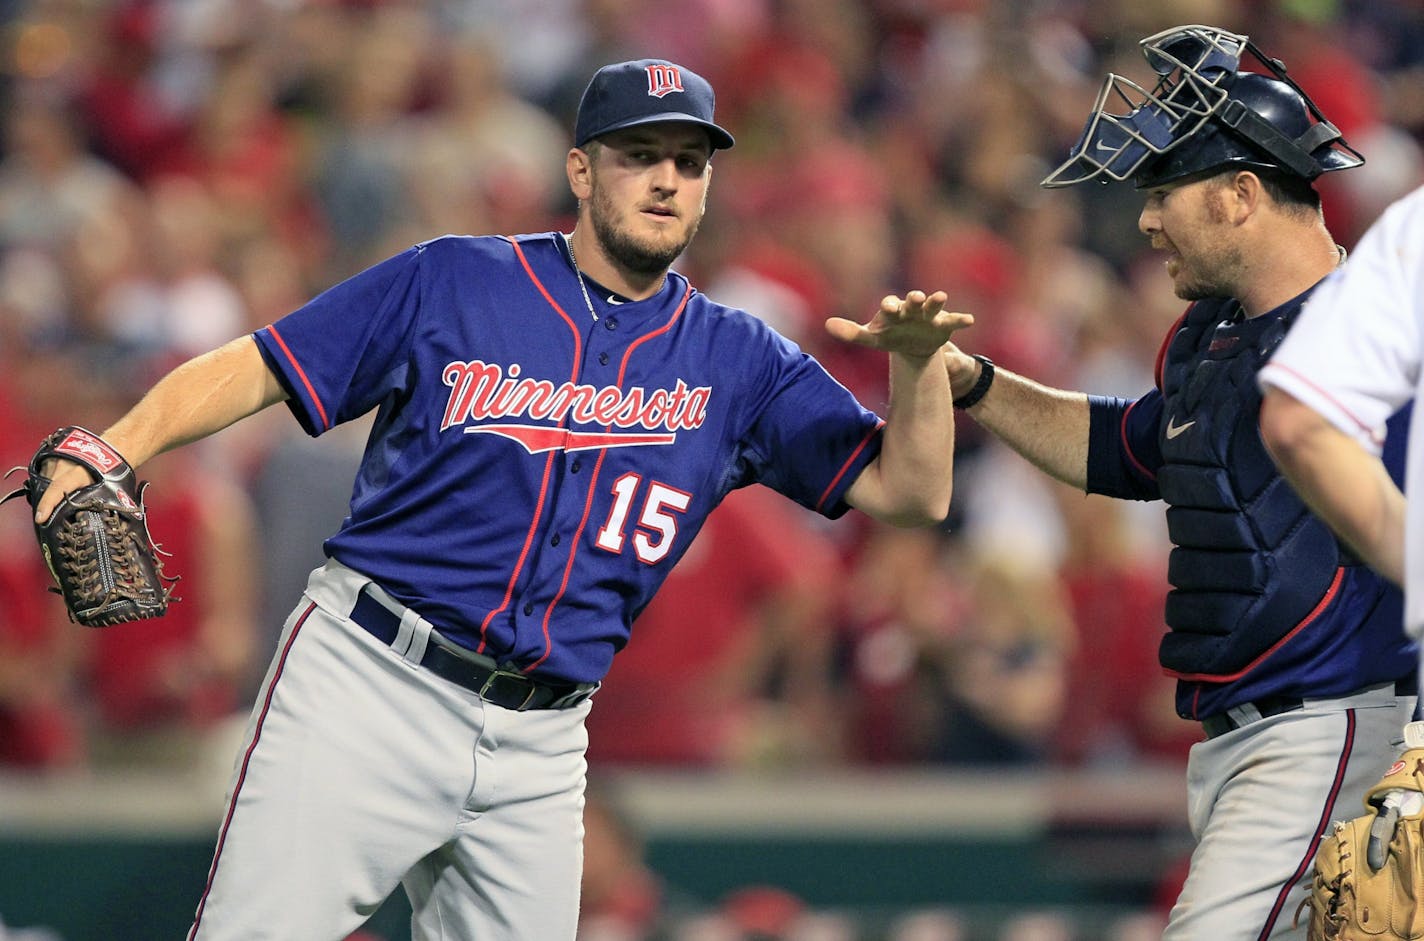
column 500, row 672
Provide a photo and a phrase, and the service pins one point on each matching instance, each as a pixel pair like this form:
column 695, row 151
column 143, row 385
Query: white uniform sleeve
column 1354, row 353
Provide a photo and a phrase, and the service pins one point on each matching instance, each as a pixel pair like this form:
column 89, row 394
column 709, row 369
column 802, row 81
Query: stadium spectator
column 167, row 690
column 50, row 185
column 469, row 165
column 41, row 725
column 1118, row 708
column 1002, row 672
column 623, row 899
column 895, row 614
column 730, row 665
column 132, row 121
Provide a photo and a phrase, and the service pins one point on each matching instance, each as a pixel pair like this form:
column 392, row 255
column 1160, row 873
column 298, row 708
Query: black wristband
column 986, row 379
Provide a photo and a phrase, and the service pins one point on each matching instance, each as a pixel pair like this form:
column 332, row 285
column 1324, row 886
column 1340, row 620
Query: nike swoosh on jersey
column 1173, row 429
column 613, row 299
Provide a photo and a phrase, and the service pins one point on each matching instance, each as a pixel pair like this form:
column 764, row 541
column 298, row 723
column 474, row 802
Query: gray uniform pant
column 362, row 771
column 1259, row 799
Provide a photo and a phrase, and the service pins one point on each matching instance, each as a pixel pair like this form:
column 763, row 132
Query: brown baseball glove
column 96, row 543
column 1369, row 872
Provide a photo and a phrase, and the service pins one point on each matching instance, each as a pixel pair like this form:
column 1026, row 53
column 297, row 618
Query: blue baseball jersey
column 534, row 473
column 1264, row 601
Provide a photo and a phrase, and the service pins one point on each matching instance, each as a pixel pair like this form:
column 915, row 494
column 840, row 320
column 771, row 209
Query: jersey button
column 574, row 468
column 611, row 323
column 603, row 359
column 528, row 609
column 554, row 540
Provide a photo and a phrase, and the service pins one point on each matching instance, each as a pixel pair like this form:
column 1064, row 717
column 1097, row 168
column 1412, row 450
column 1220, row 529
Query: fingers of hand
column 65, row 477
column 48, row 501
column 953, row 320
column 932, row 307
column 913, row 306
column 916, row 305
column 903, row 324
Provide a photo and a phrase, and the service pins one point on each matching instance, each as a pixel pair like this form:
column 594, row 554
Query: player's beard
column 1209, row 275
column 1216, row 265
column 639, row 255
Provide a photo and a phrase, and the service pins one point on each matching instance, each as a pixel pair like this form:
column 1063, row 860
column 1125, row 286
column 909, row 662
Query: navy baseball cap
column 646, row 91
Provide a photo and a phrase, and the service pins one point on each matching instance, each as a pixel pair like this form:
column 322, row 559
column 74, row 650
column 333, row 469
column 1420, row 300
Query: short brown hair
column 1288, row 189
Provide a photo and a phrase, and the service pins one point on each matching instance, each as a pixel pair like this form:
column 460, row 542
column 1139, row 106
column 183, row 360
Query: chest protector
column 1250, row 564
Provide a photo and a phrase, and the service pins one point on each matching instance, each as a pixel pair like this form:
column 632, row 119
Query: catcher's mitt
column 1369, row 872
column 96, row 543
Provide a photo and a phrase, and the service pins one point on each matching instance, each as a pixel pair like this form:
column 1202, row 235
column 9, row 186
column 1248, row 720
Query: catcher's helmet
column 1205, row 114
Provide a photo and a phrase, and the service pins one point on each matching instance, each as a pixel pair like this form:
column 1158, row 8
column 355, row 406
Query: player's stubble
column 642, row 255
column 1216, row 265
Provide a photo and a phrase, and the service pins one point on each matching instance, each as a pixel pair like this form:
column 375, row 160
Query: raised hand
column 915, row 326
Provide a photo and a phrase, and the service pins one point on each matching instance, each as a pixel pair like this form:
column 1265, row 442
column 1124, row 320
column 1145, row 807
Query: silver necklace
column 587, row 301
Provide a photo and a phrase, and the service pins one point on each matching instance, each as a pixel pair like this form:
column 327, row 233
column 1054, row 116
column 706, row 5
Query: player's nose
column 665, row 176
column 1149, row 222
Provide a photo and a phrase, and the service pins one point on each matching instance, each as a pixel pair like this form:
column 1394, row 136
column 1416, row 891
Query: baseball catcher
column 96, row 543
column 1369, row 871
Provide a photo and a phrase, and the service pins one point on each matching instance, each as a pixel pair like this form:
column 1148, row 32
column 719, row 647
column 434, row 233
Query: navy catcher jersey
column 533, row 473
column 1264, row 599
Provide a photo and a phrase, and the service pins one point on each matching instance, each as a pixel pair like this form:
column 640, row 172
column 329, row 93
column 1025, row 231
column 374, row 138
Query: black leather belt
column 1276, row 705
column 475, row 672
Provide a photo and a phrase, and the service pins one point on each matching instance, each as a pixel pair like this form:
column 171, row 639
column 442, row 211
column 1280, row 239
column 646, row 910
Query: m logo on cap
column 663, row 79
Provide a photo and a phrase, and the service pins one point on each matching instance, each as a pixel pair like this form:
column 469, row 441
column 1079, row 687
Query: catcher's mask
column 1205, row 114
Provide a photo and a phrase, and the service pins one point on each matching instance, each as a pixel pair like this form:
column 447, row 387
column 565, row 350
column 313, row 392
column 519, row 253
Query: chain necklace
column 587, row 301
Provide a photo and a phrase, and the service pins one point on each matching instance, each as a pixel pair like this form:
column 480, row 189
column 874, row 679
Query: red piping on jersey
column 548, row 461
column 593, row 482
column 1166, row 342
column 1157, row 374
column 1320, row 606
column 1329, row 398
column 247, row 760
column 825, row 495
column 301, row 374
column 1127, row 445
column 1326, row 815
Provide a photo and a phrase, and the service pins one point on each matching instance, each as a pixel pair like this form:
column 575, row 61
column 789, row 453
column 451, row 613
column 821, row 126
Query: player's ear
column 579, row 167
column 1249, row 192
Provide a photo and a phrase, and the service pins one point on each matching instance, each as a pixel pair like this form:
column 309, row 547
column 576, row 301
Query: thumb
column 847, row 331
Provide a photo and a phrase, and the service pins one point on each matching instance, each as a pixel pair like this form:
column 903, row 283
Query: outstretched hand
column 916, row 326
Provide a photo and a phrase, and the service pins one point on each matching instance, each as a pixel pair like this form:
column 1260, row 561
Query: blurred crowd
column 176, row 173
